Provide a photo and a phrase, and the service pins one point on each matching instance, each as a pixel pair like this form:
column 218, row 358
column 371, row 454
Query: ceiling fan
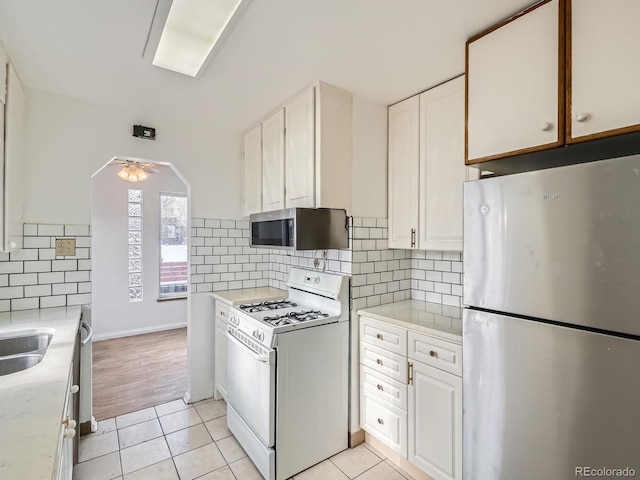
column 133, row 171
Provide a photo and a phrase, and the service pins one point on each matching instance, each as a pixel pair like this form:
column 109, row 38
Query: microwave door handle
column 254, row 355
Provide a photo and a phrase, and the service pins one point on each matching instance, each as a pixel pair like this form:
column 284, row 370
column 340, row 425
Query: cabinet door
column 252, row 171
column 300, row 151
column 14, row 162
column 442, row 168
column 220, row 354
column 404, row 138
column 435, row 422
column 273, row 162
column 515, row 85
column 604, row 68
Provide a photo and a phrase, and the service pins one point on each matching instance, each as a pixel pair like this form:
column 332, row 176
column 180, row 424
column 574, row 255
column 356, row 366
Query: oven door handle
column 261, row 358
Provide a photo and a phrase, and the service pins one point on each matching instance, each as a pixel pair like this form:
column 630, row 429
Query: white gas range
column 288, row 374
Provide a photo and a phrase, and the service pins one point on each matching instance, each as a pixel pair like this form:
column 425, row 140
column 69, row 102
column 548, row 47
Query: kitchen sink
column 25, row 343
column 23, row 349
column 17, row 363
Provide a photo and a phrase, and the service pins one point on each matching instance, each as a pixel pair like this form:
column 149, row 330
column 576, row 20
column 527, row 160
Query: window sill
column 168, row 299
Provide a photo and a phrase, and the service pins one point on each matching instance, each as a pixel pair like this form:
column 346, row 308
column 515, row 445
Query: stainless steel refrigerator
column 551, row 335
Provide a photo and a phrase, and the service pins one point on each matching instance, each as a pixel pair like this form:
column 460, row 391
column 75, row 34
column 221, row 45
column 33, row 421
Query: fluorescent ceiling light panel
column 193, row 27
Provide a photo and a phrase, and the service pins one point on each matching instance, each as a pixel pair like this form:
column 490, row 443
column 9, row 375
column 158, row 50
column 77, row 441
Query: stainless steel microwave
column 300, row 229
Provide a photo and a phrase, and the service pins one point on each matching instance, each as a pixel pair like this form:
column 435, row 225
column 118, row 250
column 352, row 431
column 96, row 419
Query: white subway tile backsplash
column 55, row 277
column 210, row 223
column 77, row 230
column 25, row 303
column 77, row 276
column 54, row 301
column 37, row 291
column 30, row 229
column 37, row 266
column 64, row 288
column 63, row 265
column 24, row 254
column 50, row 230
column 11, row 267
column 11, row 292
column 80, row 299
column 23, row 279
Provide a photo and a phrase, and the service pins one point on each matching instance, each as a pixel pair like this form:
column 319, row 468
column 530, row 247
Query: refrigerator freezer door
column 540, row 400
column 561, row 244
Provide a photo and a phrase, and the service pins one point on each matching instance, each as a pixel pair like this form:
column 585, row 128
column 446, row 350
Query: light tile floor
column 175, row 441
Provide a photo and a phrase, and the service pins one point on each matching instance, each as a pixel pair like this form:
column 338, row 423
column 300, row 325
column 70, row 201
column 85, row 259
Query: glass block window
column 135, row 245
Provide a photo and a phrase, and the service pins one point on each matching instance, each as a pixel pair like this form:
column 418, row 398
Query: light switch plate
column 65, row 247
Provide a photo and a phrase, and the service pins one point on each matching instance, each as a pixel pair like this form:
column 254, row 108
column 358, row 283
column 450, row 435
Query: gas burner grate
column 266, row 306
column 294, row 317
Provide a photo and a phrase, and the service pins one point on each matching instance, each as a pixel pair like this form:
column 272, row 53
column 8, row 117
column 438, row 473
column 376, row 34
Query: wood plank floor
column 137, row 372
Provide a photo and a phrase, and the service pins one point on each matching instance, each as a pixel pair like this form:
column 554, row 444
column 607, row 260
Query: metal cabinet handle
column 378, row 361
column 433, row 353
column 379, row 336
column 413, row 237
column 380, row 387
column 410, row 373
column 380, row 421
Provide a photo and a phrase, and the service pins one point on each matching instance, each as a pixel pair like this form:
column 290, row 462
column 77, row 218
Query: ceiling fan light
column 124, row 173
column 142, row 175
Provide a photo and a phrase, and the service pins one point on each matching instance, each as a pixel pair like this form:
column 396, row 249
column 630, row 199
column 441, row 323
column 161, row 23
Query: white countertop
column 246, row 295
column 32, row 401
column 434, row 319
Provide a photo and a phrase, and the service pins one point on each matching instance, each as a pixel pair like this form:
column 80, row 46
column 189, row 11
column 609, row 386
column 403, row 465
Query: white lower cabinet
column 411, row 397
column 435, row 426
column 220, row 351
column 63, row 469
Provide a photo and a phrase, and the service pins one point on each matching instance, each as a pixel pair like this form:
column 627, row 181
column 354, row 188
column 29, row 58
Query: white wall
column 369, row 158
column 69, row 139
column 113, row 315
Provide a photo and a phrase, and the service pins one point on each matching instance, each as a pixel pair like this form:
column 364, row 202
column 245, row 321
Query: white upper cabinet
column 515, row 85
column 427, row 169
column 442, row 168
column 307, row 151
column 404, row 155
column 273, row 162
column 300, row 151
column 14, row 162
column 604, row 68
column 252, row 171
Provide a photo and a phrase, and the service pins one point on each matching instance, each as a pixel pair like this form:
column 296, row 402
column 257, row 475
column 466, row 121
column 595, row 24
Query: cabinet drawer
column 437, row 353
column 385, row 422
column 383, row 335
column 383, row 387
column 222, row 311
column 383, row 361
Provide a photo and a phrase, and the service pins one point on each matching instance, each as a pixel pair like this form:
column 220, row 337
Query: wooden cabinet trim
column 568, row 101
column 561, row 85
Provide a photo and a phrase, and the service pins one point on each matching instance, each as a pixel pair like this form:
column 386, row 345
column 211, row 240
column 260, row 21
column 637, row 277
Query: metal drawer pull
column 410, row 373
column 380, row 421
column 433, row 353
column 380, row 387
column 378, row 361
column 379, row 336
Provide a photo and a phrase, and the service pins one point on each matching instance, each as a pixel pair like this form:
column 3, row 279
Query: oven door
column 251, row 388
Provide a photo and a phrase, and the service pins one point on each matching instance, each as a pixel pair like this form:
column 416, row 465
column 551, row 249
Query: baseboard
column 397, row 459
column 356, row 438
column 186, row 398
column 137, row 331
